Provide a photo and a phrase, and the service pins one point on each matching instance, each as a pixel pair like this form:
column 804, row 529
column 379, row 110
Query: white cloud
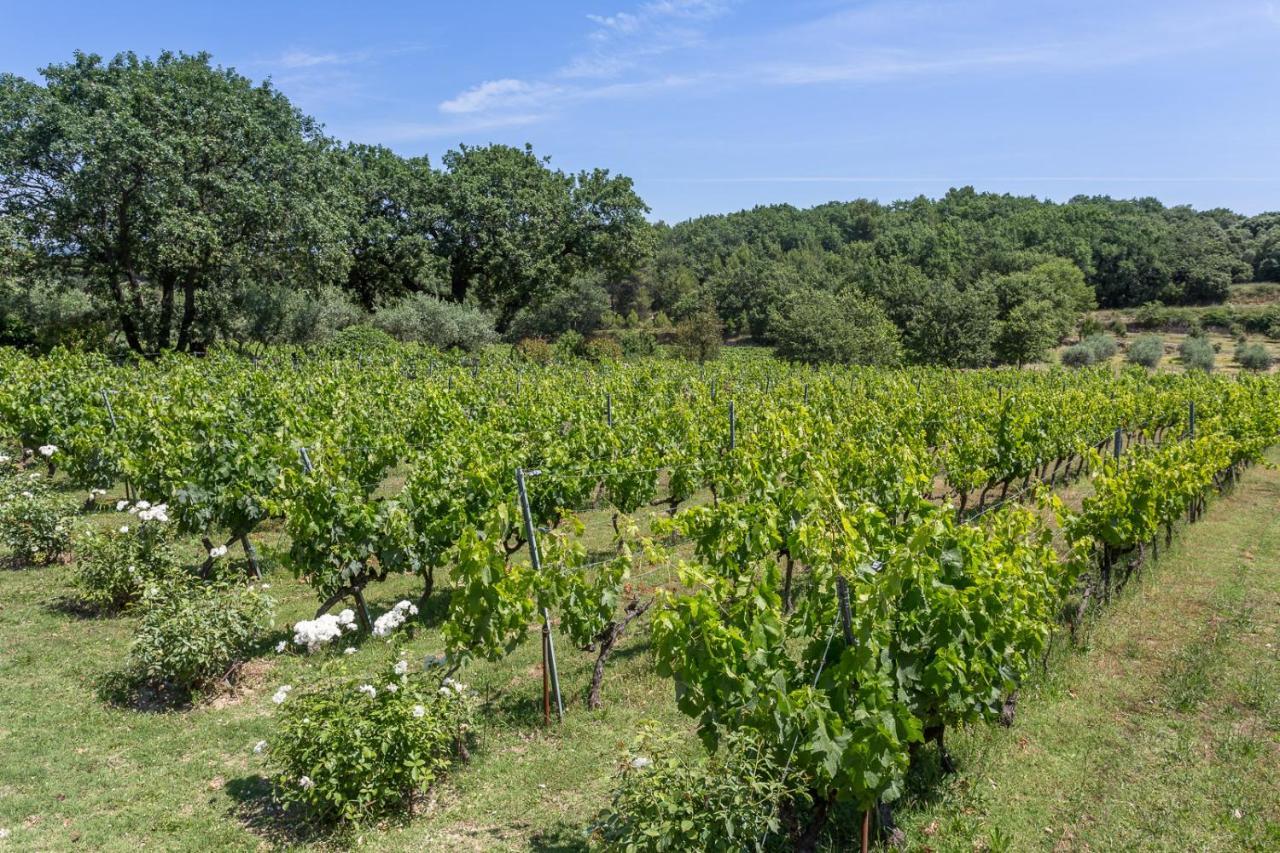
column 498, row 94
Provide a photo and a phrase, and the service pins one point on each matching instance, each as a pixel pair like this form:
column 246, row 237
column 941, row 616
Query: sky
column 717, row 105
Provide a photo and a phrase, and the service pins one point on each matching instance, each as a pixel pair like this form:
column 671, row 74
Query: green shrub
column 569, row 346
column 535, row 350
column 603, row 348
column 1196, row 354
column 663, row 801
column 1102, row 346
column 1090, row 326
column 1078, row 355
column 444, row 325
column 1118, row 328
column 638, row 343
column 1146, row 350
column 114, row 568
column 194, row 633
column 1253, row 357
column 700, row 335
column 351, row 749
column 354, row 340
column 816, row 326
column 35, row 524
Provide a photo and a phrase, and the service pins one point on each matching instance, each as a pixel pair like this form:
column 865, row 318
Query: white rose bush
column 355, row 748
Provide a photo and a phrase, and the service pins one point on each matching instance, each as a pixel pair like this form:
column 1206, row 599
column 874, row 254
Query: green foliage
column 1077, row 355
column 35, row 523
column 194, row 633
column 637, row 343
column 347, row 756
column 1101, row 346
column 535, row 350
column 699, row 336
column 1146, row 350
column 819, row 327
column 602, row 348
column 354, row 340
column 569, row 346
column 581, row 306
column 113, row 568
column 169, row 212
column 444, row 325
column 1197, row 354
column 731, row 800
column 953, row 327
column 1253, row 356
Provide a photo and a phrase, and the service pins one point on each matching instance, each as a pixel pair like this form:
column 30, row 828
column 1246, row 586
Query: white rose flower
column 281, row 646
column 121, row 506
column 349, row 650
column 124, row 528
column 418, row 711
column 402, row 667
column 47, row 450
column 306, row 783
column 392, row 687
column 260, row 747
column 368, row 690
column 218, row 551
column 282, row 693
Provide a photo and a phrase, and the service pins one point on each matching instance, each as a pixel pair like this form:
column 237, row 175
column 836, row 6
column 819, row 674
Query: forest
column 173, row 203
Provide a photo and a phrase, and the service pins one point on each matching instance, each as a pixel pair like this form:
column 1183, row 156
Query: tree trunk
column 165, row 325
column 188, row 314
column 459, row 280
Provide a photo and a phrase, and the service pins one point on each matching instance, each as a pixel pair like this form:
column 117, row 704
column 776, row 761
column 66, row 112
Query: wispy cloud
column 306, row 59
column 664, row 45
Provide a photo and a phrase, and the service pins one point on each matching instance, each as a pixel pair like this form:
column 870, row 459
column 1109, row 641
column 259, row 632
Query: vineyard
column 828, row 570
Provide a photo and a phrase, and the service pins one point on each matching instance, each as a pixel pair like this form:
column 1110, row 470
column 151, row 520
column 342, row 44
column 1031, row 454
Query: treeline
column 967, row 279
column 171, row 203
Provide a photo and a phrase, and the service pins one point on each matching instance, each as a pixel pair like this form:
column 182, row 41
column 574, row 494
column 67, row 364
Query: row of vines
column 848, row 561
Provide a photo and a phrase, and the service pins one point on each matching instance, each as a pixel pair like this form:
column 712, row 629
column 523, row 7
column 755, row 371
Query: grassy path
column 1162, row 732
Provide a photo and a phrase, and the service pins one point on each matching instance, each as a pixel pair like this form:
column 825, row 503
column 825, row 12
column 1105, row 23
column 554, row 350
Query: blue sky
column 716, row 105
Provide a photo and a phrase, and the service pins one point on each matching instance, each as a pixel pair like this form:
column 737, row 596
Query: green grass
column 1161, row 732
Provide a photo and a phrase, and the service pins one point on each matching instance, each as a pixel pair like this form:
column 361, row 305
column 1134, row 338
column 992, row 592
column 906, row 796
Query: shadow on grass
column 69, row 605
column 257, row 810
column 561, row 838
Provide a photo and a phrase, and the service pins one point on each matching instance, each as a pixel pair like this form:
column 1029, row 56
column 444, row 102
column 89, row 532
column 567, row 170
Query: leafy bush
column 699, row 336
column 350, row 749
column 638, row 343
column 1090, row 326
column 580, row 306
column 360, row 338
column 535, row 350
column 1118, row 328
column 663, row 801
column 818, row 326
column 445, row 325
column 1253, row 357
column 1146, row 350
column 113, row 568
column 1102, row 346
column 569, row 346
column 35, row 524
column 1197, row 354
column 1078, row 355
column 603, row 348
column 193, row 633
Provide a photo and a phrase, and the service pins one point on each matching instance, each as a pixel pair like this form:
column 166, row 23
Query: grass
column 1161, row 732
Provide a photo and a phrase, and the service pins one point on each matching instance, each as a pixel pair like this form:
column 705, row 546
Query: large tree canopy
column 168, row 184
